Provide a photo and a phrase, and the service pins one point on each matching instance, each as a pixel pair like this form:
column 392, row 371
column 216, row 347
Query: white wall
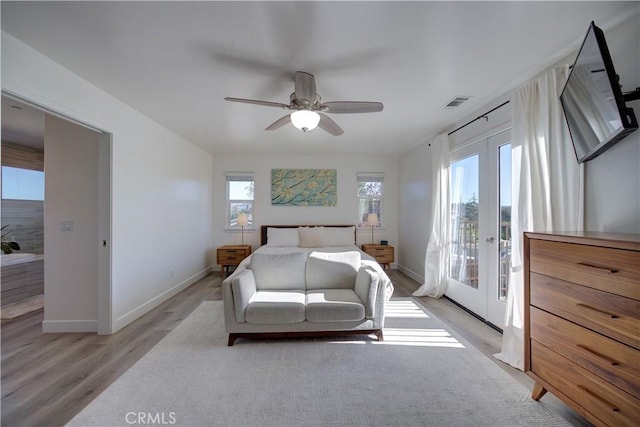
column 161, row 184
column 612, row 180
column 346, row 211
column 71, row 257
column 415, row 210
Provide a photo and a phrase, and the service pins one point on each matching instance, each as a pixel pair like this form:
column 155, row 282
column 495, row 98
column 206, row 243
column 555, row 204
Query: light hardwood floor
column 49, row 378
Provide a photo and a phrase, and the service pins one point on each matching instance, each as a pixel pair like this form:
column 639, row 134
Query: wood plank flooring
column 46, row 379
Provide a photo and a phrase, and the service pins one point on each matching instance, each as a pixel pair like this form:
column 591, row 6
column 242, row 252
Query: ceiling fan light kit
column 305, row 120
column 308, row 110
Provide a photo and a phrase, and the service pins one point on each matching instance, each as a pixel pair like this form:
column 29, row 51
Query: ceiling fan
column 307, row 110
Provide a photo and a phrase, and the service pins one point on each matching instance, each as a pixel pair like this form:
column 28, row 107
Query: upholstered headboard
column 263, row 229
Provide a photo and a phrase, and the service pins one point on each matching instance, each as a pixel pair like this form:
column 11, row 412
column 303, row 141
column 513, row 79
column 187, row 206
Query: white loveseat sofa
column 294, row 294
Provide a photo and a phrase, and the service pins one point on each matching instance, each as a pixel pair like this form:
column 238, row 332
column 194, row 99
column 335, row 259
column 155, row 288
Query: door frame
column 104, row 319
column 478, row 301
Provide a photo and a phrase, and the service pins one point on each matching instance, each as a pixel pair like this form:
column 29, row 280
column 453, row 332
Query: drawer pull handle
column 613, row 362
column 595, row 396
column 598, row 310
column 599, row 267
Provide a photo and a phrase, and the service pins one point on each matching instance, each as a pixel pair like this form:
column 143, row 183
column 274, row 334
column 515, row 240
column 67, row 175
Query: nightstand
column 384, row 254
column 231, row 255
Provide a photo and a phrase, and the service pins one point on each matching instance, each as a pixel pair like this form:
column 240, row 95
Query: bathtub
column 15, row 258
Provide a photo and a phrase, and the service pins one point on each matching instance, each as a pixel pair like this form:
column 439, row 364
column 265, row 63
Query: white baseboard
column 415, row 276
column 65, row 326
column 142, row 309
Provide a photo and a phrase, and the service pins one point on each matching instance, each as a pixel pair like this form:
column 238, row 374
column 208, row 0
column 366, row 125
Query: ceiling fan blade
column 348, row 107
column 279, row 123
column 305, row 88
column 258, row 102
column 329, row 125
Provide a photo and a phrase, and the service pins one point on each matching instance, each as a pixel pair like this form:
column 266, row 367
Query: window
column 22, row 184
column 370, row 193
column 240, row 190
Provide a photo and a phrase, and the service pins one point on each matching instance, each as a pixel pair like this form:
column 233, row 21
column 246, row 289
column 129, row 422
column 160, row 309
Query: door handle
column 491, row 239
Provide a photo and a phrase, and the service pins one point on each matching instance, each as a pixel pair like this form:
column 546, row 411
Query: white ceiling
column 176, row 61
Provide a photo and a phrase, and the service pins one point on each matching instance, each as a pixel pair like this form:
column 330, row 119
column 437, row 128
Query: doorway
column 77, row 219
column 480, row 254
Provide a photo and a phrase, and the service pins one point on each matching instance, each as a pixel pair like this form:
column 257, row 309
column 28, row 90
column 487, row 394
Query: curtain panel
column 547, row 188
column 436, row 261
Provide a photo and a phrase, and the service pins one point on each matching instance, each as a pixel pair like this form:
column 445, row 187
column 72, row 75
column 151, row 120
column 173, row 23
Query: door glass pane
column 463, row 256
column 505, row 220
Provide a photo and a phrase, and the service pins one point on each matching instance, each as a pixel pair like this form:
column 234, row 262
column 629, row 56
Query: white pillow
column 338, row 236
column 281, row 237
column 310, row 237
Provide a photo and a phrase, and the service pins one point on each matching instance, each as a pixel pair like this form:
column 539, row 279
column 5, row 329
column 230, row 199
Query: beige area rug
column 423, row 374
column 20, row 308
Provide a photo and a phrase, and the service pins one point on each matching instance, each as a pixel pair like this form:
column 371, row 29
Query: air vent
column 457, row 101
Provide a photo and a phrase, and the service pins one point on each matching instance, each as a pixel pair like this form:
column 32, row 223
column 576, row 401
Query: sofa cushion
column 278, row 271
column 367, row 282
column 276, row 307
column 328, row 270
column 334, row 305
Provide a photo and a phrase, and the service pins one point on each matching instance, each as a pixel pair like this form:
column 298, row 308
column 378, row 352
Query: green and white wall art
column 304, row 187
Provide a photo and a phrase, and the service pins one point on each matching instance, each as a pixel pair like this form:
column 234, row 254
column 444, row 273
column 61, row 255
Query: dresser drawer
column 574, row 384
column 612, row 270
column 612, row 361
column 230, row 258
column 382, row 253
column 609, row 314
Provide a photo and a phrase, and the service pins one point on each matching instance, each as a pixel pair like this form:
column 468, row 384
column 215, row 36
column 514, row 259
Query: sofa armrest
column 366, row 287
column 243, row 287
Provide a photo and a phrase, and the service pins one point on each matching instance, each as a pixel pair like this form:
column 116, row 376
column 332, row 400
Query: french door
column 480, row 251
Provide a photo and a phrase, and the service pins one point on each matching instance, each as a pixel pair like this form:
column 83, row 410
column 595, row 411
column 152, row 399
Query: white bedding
column 366, row 260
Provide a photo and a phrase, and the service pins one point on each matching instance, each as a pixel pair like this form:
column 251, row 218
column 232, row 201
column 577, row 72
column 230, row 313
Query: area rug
column 20, row 308
column 423, row 374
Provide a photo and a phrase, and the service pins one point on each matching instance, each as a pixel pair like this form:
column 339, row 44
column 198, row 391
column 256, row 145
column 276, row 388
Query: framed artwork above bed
column 304, row 187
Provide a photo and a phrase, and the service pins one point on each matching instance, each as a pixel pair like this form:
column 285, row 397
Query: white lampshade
column 372, row 219
column 305, row 120
column 243, row 219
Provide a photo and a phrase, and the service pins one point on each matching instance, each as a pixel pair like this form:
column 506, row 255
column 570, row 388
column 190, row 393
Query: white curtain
column 547, row 188
column 436, row 260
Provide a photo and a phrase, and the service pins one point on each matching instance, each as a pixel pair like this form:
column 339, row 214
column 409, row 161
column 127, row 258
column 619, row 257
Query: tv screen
column 592, row 100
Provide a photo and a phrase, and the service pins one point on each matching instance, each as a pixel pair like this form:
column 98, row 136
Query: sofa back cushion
column 278, row 271
column 332, row 270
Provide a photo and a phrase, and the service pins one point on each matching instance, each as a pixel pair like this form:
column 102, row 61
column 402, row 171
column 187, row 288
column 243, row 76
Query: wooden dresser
column 582, row 322
column 384, row 254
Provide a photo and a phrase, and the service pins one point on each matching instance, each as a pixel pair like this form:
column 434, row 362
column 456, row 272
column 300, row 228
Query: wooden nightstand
column 382, row 253
column 231, row 255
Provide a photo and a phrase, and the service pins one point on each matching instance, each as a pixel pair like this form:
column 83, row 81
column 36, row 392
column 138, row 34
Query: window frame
column 243, row 177
column 370, row 177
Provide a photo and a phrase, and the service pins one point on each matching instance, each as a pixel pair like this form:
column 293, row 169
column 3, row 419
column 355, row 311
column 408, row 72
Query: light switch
column 66, row 225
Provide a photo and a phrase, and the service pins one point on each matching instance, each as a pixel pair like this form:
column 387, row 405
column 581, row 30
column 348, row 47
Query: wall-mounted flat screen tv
column 593, row 102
